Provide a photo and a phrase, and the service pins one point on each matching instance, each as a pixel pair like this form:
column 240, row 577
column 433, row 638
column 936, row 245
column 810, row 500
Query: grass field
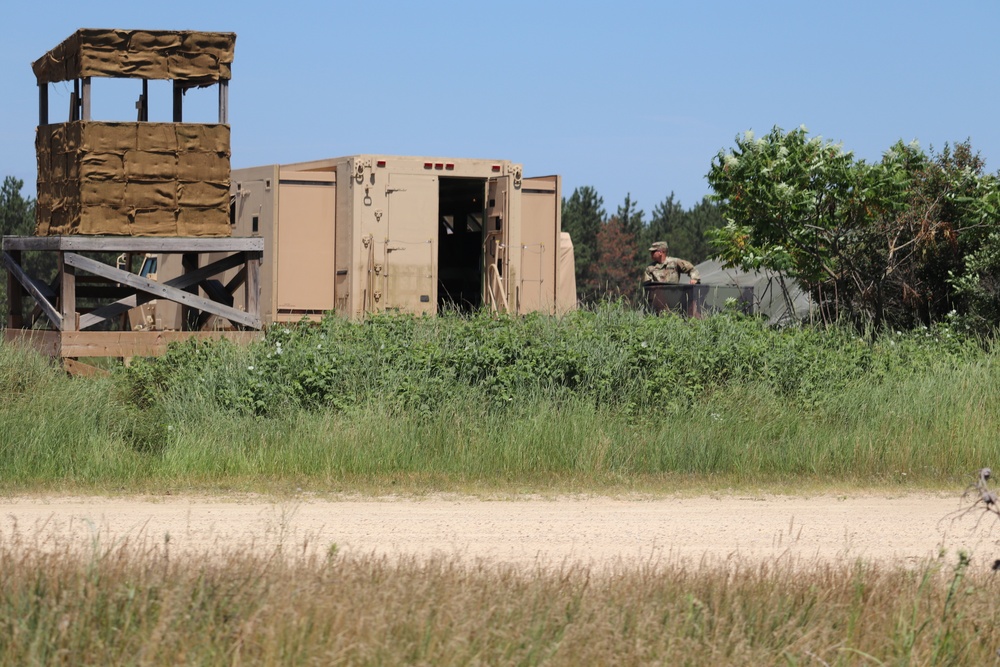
column 126, row 605
column 602, row 401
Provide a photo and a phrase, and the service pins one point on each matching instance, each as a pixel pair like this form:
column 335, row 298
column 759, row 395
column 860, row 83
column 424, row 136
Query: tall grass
column 605, row 398
column 56, row 428
column 136, row 603
column 600, row 399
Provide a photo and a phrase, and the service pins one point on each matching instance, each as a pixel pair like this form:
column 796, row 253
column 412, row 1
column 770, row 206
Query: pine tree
column 631, row 219
column 582, row 216
column 684, row 230
column 705, row 216
column 17, row 218
column 668, row 217
column 615, row 270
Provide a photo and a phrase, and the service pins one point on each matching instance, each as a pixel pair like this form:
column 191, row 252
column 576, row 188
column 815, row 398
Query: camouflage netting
column 138, row 179
column 189, row 57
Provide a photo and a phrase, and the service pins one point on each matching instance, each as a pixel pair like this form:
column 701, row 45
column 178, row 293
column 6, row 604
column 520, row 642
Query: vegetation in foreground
column 131, row 604
column 602, row 399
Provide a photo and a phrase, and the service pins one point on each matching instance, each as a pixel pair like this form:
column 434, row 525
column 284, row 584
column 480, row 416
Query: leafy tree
column 875, row 243
column 977, row 284
column 582, row 216
column 17, row 218
column 926, row 243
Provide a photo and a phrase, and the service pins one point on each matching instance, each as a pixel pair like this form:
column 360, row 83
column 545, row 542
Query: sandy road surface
column 592, row 531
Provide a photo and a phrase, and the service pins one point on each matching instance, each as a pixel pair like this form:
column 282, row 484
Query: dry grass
column 133, row 603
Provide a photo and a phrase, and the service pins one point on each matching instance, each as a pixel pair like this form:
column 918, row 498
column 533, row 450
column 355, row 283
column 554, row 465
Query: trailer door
column 496, row 233
column 409, row 252
column 304, row 241
column 541, row 214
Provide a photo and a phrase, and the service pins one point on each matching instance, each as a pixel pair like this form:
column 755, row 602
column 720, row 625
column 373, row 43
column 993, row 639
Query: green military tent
column 777, row 298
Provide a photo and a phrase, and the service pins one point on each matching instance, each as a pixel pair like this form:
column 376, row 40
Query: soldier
column 668, row 269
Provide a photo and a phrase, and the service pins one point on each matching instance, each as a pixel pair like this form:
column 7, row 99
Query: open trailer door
column 496, row 234
column 541, row 215
column 407, row 259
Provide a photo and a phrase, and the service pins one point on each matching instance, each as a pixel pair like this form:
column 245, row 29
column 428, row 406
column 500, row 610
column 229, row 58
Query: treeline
column 612, row 250
column 907, row 241
column 904, row 242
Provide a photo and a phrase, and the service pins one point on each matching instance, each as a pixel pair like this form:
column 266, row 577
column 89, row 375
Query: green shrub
column 609, row 357
column 605, row 396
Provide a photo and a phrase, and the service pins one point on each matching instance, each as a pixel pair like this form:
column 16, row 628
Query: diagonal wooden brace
column 162, row 290
column 41, row 293
column 189, row 279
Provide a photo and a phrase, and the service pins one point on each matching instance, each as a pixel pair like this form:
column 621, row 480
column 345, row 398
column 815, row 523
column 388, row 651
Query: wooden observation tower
column 137, row 213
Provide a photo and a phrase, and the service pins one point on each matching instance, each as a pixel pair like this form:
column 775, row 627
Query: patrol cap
column 659, row 245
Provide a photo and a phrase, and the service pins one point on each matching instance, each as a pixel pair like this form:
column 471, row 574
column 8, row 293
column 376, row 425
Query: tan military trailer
column 372, row 233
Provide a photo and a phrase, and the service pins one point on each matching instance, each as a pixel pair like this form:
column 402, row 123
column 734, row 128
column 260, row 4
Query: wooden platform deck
column 58, row 327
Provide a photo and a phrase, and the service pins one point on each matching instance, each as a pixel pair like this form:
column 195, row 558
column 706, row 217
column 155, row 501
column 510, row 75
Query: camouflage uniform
column 670, row 271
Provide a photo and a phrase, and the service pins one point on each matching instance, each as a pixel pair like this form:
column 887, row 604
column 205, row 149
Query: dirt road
column 593, row 531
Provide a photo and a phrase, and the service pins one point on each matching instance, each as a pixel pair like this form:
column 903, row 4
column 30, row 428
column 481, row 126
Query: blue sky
column 627, row 97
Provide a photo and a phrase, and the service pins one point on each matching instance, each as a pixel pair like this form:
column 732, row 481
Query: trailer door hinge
column 515, row 171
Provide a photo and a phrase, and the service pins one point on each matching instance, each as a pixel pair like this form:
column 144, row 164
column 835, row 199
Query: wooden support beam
column 75, row 344
column 251, row 291
column 181, row 282
column 34, row 289
column 104, row 292
column 178, row 103
column 213, row 269
column 54, row 286
column 223, row 101
column 43, row 288
column 138, row 343
column 139, row 244
column 15, row 306
column 237, row 280
column 85, row 100
column 216, row 291
column 46, row 343
column 67, row 294
column 160, row 290
column 43, row 103
column 189, row 317
column 80, row 369
column 142, row 105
